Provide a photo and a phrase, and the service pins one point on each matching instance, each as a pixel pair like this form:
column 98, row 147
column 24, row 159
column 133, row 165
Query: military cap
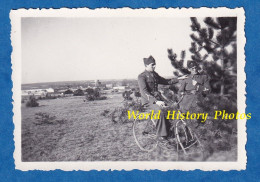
column 149, row 60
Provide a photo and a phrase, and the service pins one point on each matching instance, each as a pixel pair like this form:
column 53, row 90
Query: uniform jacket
column 148, row 84
column 195, row 82
column 192, row 87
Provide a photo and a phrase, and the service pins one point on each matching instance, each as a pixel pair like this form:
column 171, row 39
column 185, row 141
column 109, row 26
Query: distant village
column 78, row 90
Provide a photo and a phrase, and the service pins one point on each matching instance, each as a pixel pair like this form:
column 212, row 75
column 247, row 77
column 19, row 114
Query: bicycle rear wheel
column 188, row 142
column 144, row 132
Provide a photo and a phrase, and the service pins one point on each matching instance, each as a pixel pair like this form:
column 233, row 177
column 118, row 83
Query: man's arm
column 182, row 87
column 164, row 81
column 144, row 91
column 206, row 84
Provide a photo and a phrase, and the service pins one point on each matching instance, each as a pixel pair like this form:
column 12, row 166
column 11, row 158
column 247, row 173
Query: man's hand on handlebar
column 160, row 103
column 182, row 77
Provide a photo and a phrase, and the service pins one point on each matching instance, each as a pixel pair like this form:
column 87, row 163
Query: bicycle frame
column 180, row 127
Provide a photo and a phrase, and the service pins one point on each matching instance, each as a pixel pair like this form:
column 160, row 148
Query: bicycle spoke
column 144, row 134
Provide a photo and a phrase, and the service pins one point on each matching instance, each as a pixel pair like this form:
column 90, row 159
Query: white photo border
column 16, row 16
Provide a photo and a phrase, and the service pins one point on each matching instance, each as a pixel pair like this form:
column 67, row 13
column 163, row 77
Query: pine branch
column 193, row 47
column 194, row 24
column 208, row 48
column 210, row 22
column 205, row 57
column 199, row 41
column 194, row 38
column 177, row 64
column 215, row 45
column 203, row 34
column 211, row 33
column 183, row 54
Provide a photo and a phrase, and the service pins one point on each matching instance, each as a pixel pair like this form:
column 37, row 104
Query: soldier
column 150, row 96
column 192, row 89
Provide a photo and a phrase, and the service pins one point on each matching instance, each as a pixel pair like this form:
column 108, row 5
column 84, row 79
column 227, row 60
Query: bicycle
column 144, row 132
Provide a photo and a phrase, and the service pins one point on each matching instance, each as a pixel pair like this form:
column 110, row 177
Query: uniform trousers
column 162, row 124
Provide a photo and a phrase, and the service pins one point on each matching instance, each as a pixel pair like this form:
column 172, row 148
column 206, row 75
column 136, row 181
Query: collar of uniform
column 150, row 72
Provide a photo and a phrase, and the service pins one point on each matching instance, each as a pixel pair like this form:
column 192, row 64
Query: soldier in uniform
column 192, row 89
column 150, row 96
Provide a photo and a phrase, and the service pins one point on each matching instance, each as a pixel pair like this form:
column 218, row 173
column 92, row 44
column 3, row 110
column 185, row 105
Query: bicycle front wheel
column 144, row 132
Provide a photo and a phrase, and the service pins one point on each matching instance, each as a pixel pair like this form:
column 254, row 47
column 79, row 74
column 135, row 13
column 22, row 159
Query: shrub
column 137, row 94
column 32, row 102
column 101, row 98
column 213, row 102
column 90, row 98
column 120, row 114
column 219, row 134
column 78, row 92
column 68, row 91
column 105, row 112
column 126, row 95
column 44, row 118
column 23, row 100
column 94, row 94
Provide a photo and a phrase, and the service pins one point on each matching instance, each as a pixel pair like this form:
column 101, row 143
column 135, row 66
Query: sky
column 72, row 49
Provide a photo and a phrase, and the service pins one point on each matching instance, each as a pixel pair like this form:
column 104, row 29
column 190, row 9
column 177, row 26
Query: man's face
column 194, row 70
column 150, row 67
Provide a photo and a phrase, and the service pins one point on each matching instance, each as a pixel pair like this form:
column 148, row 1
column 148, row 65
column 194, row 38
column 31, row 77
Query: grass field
column 69, row 129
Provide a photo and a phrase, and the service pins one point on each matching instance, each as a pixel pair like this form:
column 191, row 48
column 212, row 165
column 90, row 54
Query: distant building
column 37, row 92
column 50, row 90
column 109, row 86
column 119, row 88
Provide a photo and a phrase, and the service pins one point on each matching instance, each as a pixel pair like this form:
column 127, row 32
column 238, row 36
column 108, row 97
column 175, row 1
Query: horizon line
column 80, row 80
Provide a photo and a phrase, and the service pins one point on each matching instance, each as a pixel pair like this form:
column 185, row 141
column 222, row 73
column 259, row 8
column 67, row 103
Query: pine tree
column 214, row 38
column 224, row 29
column 177, row 64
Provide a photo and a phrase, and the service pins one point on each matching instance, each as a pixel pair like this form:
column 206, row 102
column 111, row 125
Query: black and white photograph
column 129, row 89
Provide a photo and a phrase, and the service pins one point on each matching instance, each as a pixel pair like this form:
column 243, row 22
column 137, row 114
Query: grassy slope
column 85, row 135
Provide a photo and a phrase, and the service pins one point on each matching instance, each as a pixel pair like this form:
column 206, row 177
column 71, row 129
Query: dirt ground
column 76, row 131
